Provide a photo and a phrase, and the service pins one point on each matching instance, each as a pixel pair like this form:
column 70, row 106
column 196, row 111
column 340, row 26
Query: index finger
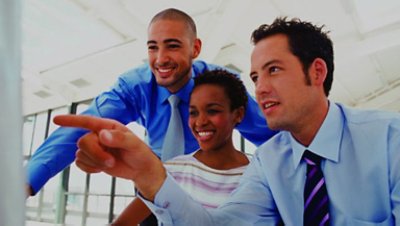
column 92, row 123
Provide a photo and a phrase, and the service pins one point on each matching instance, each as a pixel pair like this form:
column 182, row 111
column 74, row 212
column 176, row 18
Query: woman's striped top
column 206, row 185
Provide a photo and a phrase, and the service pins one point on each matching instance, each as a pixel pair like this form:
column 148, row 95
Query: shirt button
column 159, row 211
column 166, row 205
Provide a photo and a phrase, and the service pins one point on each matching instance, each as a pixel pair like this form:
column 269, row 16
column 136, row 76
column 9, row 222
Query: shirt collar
column 327, row 141
column 183, row 93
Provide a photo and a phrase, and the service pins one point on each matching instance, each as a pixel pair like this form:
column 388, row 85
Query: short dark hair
column 176, row 14
column 232, row 85
column 306, row 41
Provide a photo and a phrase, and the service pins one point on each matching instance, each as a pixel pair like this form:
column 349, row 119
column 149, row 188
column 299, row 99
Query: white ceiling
column 74, row 49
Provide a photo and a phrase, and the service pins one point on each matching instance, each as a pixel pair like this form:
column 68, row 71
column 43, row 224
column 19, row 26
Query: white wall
column 11, row 174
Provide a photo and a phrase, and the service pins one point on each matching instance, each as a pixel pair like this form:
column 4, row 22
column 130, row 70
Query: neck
column 306, row 133
column 178, row 85
column 223, row 158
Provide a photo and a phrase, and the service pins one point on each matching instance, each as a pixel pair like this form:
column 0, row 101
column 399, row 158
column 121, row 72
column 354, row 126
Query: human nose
column 263, row 85
column 162, row 56
column 201, row 120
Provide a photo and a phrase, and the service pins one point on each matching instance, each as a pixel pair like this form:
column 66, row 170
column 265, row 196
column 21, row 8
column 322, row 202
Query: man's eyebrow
column 265, row 65
column 268, row 63
column 165, row 41
column 172, row 40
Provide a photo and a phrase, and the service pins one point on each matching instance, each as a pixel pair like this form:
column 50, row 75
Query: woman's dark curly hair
column 232, row 85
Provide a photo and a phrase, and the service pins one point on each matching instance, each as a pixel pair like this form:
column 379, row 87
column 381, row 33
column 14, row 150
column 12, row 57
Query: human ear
column 196, row 48
column 239, row 114
column 318, row 71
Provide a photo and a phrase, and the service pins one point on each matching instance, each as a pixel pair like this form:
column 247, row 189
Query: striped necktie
column 174, row 140
column 316, row 201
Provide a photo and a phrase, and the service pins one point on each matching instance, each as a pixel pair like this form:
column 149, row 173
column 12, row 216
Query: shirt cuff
column 37, row 176
column 168, row 203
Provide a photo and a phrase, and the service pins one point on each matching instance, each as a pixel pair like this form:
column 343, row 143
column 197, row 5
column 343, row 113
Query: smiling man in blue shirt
column 141, row 95
column 292, row 68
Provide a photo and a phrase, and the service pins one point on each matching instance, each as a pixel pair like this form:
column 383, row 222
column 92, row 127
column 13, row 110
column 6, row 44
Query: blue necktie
column 316, row 201
column 174, row 140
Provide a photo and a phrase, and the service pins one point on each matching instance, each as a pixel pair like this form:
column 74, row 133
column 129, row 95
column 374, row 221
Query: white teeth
column 269, row 105
column 202, row 134
column 164, row 70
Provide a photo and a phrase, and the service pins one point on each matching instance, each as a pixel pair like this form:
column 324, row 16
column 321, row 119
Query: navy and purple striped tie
column 316, row 201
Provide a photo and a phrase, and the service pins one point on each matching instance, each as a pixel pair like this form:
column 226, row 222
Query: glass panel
column 236, row 139
column 124, row 187
column 121, row 202
column 31, row 205
column 82, row 106
column 40, row 129
column 50, row 196
column 97, row 220
column 34, row 204
column 58, row 111
column 73, row 215
column 41, row 207
column 124, row 192
column 27, row 135
column 77, row 180
column 51, row 189
column 100, row 184
column 249, row 147
column 98, row 207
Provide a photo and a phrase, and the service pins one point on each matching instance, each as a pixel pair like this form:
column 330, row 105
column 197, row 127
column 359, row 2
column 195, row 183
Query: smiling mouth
column 269, row 105
column 164, row 70
column 204, row 134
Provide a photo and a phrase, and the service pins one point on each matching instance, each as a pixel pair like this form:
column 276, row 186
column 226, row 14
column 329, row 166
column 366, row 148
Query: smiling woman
column 217, row 104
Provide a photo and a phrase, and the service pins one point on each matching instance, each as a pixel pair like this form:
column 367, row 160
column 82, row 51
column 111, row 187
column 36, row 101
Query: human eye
column 152, row 47
column 193, row 113
column 174, row 46
column 273, row 69
column 254, row 77
column 213, row 111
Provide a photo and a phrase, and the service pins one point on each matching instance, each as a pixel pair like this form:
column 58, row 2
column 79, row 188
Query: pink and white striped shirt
column 208, row 186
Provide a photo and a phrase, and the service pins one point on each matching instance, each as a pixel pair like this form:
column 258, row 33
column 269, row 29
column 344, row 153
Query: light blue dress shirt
column 361, row 169
column 135, row 97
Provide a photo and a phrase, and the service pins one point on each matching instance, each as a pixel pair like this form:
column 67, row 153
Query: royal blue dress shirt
column 361, row 166
column 135, row 97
